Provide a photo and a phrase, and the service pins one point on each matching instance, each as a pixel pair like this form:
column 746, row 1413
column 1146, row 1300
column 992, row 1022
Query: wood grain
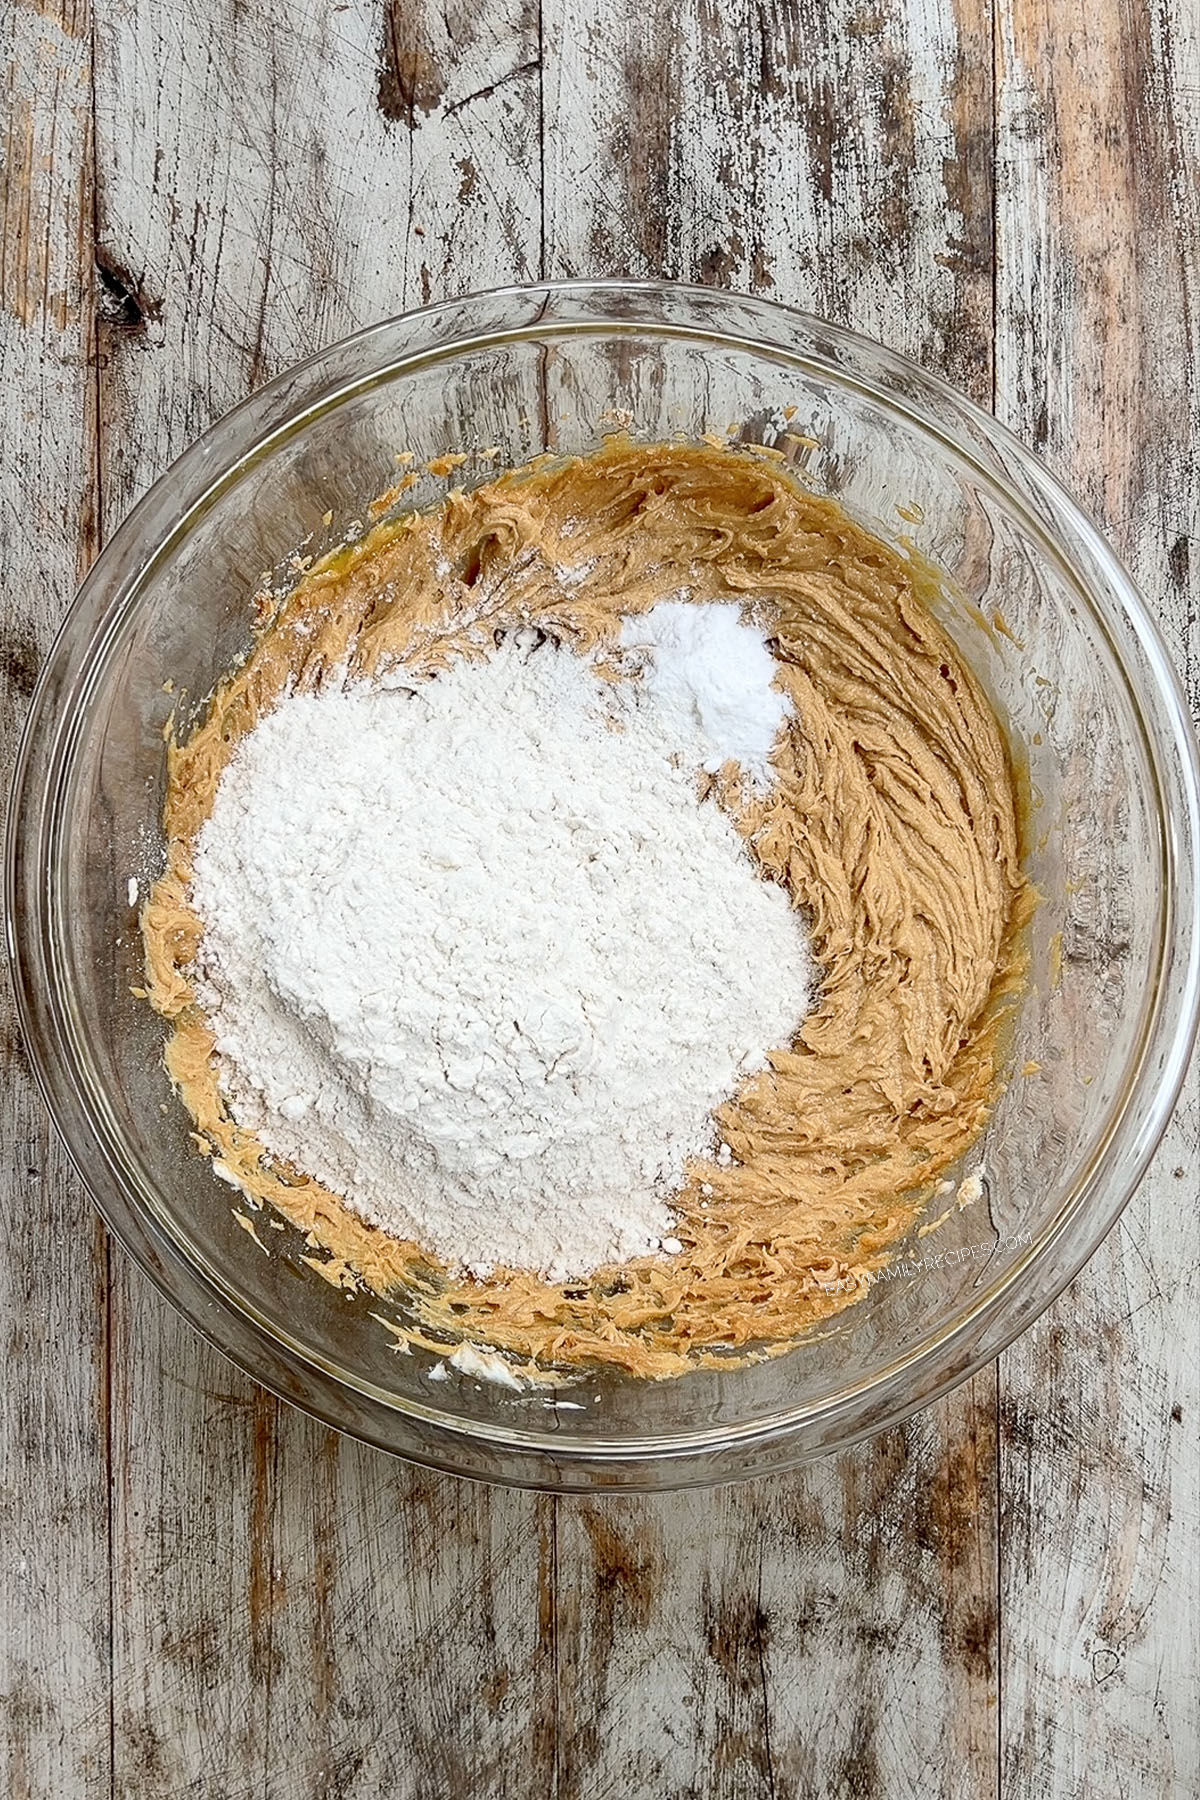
column 54, row 1649
column 995, row 1600
column 830, row 1632
column 1098, row 240
column 832, row 155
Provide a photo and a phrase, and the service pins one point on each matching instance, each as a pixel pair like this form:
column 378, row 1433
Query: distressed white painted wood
column 54, row 1653
column 998, row 1599
column 1098, row 284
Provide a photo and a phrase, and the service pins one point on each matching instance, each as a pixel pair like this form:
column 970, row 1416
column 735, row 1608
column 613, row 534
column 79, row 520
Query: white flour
column 479, row 960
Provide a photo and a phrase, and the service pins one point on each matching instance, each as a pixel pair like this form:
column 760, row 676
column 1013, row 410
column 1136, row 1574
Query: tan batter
column 893, row 824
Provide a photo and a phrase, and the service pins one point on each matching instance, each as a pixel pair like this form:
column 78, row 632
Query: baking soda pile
column 709, row 677
column 479, row 959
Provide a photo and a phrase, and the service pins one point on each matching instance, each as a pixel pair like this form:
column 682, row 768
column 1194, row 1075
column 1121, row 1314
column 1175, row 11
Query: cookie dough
column 893, row 822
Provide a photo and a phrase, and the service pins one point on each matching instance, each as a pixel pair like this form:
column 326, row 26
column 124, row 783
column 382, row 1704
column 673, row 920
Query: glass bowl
column 1039, row 605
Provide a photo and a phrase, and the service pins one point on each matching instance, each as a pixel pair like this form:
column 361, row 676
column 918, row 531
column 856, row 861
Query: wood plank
column 421, row 1606
column 832, row 156
column 1098, row 243
column 54, row 1649
column 826, row 1632
column 834, row 1631
column 296, row 1615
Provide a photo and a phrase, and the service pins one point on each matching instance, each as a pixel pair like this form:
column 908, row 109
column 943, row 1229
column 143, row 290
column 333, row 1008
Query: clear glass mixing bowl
column 1075, row 663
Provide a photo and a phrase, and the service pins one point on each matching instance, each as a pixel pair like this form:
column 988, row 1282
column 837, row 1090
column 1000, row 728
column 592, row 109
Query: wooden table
column 206, row 1594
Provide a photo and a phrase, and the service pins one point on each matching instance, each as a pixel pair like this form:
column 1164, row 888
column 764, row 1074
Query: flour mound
column 479, row 960
column 710, row 675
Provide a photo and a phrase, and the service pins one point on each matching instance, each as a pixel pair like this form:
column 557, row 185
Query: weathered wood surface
column 1097, row 285
column 206, row 1594
column 54, row 1472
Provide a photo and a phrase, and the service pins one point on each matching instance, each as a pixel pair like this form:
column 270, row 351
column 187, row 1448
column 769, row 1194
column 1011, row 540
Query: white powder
column 478, row 959
column 711, row 677
column 484, row 1365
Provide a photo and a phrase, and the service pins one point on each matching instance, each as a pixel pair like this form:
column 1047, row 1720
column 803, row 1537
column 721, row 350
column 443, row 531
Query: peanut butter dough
column 893, row 823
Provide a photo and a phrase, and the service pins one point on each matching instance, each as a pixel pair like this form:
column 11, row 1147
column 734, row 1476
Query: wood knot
column 122, row 300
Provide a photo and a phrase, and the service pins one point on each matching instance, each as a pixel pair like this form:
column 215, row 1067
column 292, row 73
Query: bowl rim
column 453, row 1441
